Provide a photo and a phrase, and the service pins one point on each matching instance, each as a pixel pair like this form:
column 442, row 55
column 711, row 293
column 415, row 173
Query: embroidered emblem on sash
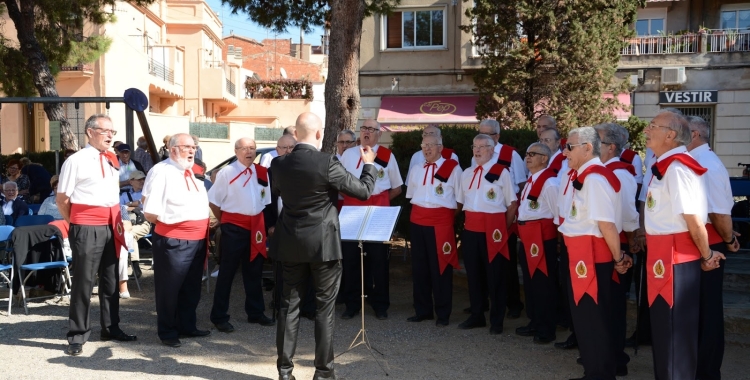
column 446, row 248
column 581, row 269
column 258, row 237
column 573, row 210
column 381, row 173
column 659, row 269
column 650, row 201
column 497, row 236
column 262, row 193
column 534, row 250
column 439, row 189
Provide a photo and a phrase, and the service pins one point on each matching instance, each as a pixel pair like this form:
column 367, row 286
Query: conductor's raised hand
column 368, row 155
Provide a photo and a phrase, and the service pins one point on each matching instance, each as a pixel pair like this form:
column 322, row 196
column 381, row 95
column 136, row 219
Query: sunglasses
column 570, row 146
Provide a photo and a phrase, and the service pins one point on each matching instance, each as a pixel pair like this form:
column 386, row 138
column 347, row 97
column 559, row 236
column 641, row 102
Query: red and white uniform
column 418, row 159
column 536, row 213
column 628, row 188
column 650, row 160
column 637, row 163
column 716, row 180
column 563, row 162
column 388, row 176
column 517, row 166
column 178, row 199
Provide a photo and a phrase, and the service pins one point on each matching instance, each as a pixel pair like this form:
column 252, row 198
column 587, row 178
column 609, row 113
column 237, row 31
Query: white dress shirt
column 386, row 178
column 243, row 196
column 546, row 204
column 81, row 179
column 418, row 159
column 628, row 188
column 638, row 165
column 650, row 159
column 563, row 167
column 596, row 202
column 265, row 160
column 172, row 196
column 517, row 166
column 428, row 191
column 716, row 180
column 477, row 194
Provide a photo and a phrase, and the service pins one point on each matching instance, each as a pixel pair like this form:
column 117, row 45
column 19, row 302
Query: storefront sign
column 682, row 97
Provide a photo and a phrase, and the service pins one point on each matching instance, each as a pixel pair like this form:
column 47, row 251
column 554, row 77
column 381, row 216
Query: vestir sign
column 680, row 97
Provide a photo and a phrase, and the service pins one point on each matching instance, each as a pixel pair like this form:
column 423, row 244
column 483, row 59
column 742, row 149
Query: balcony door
column 651, row 22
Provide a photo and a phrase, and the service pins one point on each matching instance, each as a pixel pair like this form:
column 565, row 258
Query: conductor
column 307, row 239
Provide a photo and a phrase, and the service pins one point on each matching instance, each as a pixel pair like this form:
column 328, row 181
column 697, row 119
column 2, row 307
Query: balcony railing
column 160, row 71
column 649, row 45
column 78, row 67
column 230, row 86
column 728, row 40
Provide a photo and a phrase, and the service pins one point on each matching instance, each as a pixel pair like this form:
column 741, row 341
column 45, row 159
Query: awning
column 624, row 99
column 406, row 113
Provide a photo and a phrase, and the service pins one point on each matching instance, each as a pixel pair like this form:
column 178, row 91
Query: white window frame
column 652, row 14
column 384, row 29
column 735, row 8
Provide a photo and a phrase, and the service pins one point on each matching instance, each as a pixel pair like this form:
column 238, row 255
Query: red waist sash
column 63, row 226
column 381, row 199
column 533, row 233
column 187, row 230
column 441, row 219
column 257, row 227
column 713, row 235
column 583, row 252
column 495, row 231
column 86, row 215
column 664, row 251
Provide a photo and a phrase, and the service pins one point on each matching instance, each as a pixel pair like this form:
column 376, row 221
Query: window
column 706, row 113
column 736, row 19
column 415, row 29
column 649, row 26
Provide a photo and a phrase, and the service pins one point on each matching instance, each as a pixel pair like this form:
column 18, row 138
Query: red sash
column 538, row 185
column 627, row 156
column 445, row 237
column 713, row 235
column 533, row 233
column 583, row 252
column 380, row 199
column 616, row 165
column 664, row 251
column 445, row 170
column 63, row 226
column 383, row 156
column 562, row 144
column 505, row 156
column 86, row 215
column 601, row 170
column 556, row 164
column 447, row 153
column 660, row 168
column 187, row 230
column 494, row 173
column 495, row 231
column 257, row 227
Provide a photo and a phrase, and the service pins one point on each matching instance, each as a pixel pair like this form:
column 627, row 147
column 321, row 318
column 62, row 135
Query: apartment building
column 416, row 67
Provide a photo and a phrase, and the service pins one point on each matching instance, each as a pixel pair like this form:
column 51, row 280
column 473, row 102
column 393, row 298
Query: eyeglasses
column 534, row 154
column 429, row 146
column 11, row 190
column 369, row 129
column 425, row 134
column 186, row 148
column 290, row 147
column 480, row 146
column 246, row 149
column 570, row 146
column 547, row 140
column 651, row 127
column 344, row 142
column 103, row 131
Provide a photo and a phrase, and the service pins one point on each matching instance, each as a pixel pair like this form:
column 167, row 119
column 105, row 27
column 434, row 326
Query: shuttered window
column 424, row 28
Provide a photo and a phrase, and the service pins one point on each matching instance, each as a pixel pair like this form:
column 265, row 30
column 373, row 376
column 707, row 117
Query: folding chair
column 8, row 220
column 33, row 220
column 34, row 209
column 6, row 265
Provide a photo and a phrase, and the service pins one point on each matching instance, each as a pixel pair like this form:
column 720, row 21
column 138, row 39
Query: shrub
column 279, row 88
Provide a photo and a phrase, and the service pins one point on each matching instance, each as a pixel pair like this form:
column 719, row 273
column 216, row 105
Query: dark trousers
column 237, row 254
column 178, row 270
column 514, row 287
column 619, row 313
column 93, row 253
column 711, row 331
column 643, row 321
column 477, row 264
column 541, row 291
column 326, row 277
column 376, row 263
column 430, row 286
column 674, row 332
column 563, row 285
column 593, row 326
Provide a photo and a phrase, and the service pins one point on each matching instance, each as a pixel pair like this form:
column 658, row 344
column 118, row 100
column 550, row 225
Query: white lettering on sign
column 688, row 96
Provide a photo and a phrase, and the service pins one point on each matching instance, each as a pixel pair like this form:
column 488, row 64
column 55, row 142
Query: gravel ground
column 34, row 345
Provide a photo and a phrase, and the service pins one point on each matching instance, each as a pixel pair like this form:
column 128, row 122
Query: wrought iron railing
column 649, row 45
column 78, row 67
column 727, row 40
column 160, row 71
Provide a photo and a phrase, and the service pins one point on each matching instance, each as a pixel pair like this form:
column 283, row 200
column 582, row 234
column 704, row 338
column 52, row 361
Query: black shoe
column 349, row 314
column 515, row 312
column 540, row 340
column 441, row 323
column 579, row 360
column 568, row 344
column 137, row 269
column 307, row 314
column 195, row 334
column 419, row 318
column 75, row 349
column 381, row 315
column 496, row 330
column 224, row 327
column 527, row 330
column 262, row 320
column 287, row 377
column 622, row 371
column 472, row 323
column 118, row 335
column 171, row 342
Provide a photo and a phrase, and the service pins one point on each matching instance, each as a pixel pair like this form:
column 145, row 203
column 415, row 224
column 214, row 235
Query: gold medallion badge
column 659, row 269
column 446, row 248
column 534, row 250
column 381, row 173
column 262, row 193
column 491, row 195
column 119, row 228
column 573, row 210
column 439, row 189
column 258, row 237
column 581, row 269
column 534, row 205
column 650, row 202
column 497, row 236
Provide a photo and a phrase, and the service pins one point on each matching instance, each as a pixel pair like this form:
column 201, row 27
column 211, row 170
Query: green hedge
column 457, row 138
column 47, row 159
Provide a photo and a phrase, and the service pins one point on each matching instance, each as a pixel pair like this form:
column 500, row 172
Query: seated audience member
column 142, row 154
column 13, row 174
column 127, row 165
column 49, row 206
column 12, row 204
column 39, row 180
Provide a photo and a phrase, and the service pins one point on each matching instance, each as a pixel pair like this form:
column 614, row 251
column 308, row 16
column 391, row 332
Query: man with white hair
column 11, row 204
column 591, row 228
column 418, row 157
column 177, row 203
column 721, row 238
column 676, row 213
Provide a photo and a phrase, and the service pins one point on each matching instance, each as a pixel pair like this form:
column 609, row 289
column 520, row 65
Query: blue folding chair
column 8, row 220
column 5, row 232
column 33, row 220
column 34, row 209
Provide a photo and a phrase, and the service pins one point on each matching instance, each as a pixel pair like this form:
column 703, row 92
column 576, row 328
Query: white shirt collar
column 613, row 159
column 672, row 152
column 593, row 161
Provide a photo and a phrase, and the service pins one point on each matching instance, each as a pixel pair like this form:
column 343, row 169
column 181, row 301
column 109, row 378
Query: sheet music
column 350, row 220
column 380, row 223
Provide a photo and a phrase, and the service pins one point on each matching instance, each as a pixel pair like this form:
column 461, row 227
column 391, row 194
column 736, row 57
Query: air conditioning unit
column 673, row 75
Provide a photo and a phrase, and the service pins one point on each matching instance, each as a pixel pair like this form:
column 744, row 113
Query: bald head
column 309, row 128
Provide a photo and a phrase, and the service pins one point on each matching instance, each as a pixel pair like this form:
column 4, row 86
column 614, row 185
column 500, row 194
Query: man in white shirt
column 345, row 140
column 418, row 157
column 87, row 197
column 127, row 165
column 538, row 252
column 632, row 157
column 721, row 238
column 591, row 231
column 432, row 189
column 265, row 160
column 551, row 139
column 675, row 219
column 237, row 199
column 489, row 201
column 174, row 198
column 387, row 186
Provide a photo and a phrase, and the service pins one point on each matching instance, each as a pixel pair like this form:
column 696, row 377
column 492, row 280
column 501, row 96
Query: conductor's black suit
column 307, row 241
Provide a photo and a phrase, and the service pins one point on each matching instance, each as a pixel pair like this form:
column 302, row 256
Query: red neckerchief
column 660, row 168
column 427, row 166
column 572, row 175
column 247, row 171
column 616, row 165
column 601, row 170
column 556, row 164
column 111, row 159
column 526, row 188
column 536, row 186
column 479, row 182
column 187, row 174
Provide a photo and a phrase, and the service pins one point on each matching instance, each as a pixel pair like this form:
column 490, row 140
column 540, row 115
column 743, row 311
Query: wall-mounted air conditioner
column 673, row 75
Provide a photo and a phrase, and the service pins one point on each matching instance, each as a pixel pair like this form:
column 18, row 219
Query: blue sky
column 242, row 26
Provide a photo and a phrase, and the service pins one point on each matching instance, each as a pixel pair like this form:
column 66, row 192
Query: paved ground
column 33, row 346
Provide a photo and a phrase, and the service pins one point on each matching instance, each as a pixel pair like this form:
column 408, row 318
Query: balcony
column 160, row 71
column 79, row 71
column 683, row 44
column 727, row 40
column 166, row 71
column 230, row 86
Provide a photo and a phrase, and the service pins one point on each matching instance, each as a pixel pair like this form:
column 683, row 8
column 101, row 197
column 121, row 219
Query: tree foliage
column 549, row 57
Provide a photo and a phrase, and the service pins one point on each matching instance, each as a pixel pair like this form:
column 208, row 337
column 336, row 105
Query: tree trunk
column 342, row 84
column 24, row 21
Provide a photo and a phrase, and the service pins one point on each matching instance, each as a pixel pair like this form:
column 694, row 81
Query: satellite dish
column 283, row 72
